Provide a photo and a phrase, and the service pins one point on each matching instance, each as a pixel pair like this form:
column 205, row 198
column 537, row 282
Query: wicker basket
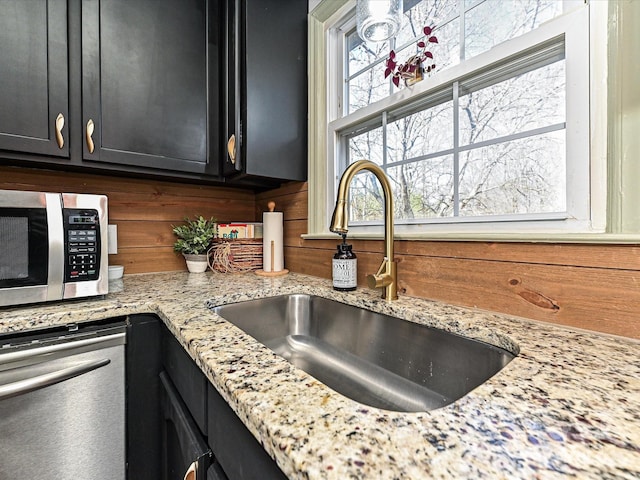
column 237, row 255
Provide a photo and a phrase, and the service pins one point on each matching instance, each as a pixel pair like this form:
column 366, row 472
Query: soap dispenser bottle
column 345, row 268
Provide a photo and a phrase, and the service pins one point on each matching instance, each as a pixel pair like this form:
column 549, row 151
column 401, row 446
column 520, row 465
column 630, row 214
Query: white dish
column 115, row 272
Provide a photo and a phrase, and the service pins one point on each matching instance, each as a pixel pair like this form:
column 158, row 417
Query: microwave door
column 32, row 253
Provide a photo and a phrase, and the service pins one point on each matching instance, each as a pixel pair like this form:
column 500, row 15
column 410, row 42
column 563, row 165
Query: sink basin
column 372, row 358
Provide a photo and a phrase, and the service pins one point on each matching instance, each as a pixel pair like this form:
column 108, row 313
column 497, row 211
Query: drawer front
column 185, row 447
column 187, row 378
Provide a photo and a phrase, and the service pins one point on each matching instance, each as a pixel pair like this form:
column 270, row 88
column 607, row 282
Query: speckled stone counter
column 567, row 406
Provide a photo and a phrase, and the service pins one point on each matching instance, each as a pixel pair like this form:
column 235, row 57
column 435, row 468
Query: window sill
column 595, row 238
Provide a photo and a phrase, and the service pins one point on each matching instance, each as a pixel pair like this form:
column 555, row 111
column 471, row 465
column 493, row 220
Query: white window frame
column 586, row 131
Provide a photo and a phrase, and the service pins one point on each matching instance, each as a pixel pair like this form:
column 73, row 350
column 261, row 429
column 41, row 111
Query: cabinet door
column 144, row 365
column 266, row 88
column 232, row 156
column 145, row 83
column 33, row 77
column 239, row 453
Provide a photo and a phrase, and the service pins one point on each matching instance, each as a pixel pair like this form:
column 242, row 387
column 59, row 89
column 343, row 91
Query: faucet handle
column 386, row 277
column 380, row 279
column 382, row 265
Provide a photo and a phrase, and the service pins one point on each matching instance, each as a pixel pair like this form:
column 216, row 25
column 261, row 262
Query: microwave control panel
column 82, row 244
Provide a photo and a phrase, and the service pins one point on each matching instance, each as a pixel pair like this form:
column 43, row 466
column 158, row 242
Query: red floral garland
column 408, row 69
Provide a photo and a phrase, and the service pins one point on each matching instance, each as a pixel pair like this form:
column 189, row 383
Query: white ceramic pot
column 196, row 263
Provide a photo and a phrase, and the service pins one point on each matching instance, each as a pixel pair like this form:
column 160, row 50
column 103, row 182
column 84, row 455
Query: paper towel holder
column 271, row 205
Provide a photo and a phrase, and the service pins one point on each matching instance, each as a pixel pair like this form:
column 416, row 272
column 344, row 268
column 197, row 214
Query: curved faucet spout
column 387, row 273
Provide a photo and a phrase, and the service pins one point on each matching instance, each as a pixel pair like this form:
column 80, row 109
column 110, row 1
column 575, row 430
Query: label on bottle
column 345, row 273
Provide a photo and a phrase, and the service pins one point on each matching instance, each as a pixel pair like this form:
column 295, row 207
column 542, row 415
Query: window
column 496, row 138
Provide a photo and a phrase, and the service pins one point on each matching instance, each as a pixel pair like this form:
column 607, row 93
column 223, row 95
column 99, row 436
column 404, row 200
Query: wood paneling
column 291, row 199
column 134, row 206
column 144, row 210
column 148, row 259
column 595, row 287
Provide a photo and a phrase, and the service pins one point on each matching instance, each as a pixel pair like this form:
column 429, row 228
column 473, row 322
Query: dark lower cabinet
column 143, row 393
column 184, row 447
column 177, row 423
column 235, row 448
column 190, row 382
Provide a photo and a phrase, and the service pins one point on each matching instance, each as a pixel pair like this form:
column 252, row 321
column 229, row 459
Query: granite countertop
column 567, row 405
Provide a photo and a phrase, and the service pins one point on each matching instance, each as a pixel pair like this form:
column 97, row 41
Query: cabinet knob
column 231, row 148
column 59, row 127
column 89, row 133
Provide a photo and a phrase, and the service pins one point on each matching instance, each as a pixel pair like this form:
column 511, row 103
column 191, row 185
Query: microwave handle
column 21, row 387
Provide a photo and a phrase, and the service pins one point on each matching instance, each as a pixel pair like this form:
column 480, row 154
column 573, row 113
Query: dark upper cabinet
column 150, row 93
column 34, row 99
column 265, row 90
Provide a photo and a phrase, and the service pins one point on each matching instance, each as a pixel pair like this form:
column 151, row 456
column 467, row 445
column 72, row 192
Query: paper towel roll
column 272, row 243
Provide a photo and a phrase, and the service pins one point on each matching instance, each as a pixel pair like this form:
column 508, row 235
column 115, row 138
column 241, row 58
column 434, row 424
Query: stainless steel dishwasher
column 62, row 404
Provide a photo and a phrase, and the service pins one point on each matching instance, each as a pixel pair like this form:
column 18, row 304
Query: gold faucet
column 387, row 276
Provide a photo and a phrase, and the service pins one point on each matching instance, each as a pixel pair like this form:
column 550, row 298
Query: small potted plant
column 412, row 71
column 194, row 240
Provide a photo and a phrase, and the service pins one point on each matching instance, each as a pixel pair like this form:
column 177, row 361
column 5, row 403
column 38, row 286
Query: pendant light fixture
column 378, row 20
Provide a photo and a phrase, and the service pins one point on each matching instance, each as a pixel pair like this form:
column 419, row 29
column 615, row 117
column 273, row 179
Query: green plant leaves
column 195, row 236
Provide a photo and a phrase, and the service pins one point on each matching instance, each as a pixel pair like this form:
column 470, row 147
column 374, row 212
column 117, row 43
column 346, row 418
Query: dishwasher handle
column 100, row 341
column 21, row 387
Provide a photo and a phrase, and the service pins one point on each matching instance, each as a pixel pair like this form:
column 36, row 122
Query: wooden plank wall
column 143, row 209
column 594, row 287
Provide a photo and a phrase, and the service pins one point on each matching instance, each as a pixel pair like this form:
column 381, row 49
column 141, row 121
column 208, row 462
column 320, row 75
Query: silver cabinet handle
column 41, row 381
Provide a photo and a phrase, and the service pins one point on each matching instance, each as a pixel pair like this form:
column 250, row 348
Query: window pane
column 366, row 198
column 488, row 23
column 423, row 189
column 422, row 133
column 521, row 176
column 420, row 190
column 426, row 13
column 445, row 53
column 366, row 146
column 494, row 21
column 532, row 100
column 362, row 54
column 368, row 87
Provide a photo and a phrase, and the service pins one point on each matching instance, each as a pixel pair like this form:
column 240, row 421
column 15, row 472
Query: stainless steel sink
column 374, row 359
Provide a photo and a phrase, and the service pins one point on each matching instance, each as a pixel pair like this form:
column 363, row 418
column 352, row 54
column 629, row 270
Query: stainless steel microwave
column 53, row 246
